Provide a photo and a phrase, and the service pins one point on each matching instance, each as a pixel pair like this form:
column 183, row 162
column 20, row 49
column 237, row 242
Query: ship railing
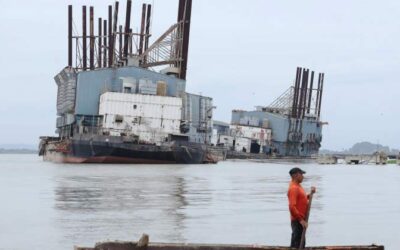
column 99, row 130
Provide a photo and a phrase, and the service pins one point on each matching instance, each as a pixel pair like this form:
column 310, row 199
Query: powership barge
column 121, row 99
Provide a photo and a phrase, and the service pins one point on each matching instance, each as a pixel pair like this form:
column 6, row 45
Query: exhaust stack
column 146, row 43
column 91, row 38
column 69, row 35
column 105, row 44
column 142, row 26
column 185, row 16
column 110, row 38
column 100, row 44
column 84, row 44
column 127, row 28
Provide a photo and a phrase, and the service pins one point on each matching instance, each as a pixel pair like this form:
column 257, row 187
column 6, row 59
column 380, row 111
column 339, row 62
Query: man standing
column 298, row 202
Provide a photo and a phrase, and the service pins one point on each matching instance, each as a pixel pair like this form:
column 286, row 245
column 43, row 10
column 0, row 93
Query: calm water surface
column 53, row 206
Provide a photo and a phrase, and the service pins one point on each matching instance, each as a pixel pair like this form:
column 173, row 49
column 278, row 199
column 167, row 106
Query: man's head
column 297, row 174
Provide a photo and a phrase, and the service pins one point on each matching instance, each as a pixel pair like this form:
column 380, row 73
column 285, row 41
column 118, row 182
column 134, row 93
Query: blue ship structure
column 291, row 126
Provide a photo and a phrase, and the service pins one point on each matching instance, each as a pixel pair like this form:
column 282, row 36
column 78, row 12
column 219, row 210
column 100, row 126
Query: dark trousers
column 297, row 231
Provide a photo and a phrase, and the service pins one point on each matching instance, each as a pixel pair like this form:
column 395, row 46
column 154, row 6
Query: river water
column 55, row 206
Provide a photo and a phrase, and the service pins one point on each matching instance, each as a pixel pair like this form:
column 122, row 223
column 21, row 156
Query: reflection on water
column 174, row 204
column 120, row 203
column 232, row 202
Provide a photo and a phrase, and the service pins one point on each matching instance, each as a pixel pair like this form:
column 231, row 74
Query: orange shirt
column 298, row 201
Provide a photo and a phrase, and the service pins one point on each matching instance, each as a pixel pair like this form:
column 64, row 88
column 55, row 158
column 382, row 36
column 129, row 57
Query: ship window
column 135, row 106
column 119, row 118
column 127, row 89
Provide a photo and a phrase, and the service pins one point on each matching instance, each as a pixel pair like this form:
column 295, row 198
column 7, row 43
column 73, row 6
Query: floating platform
column 161, row 246
column 143, row 244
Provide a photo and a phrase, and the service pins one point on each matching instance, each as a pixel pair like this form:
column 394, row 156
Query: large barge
column 289, row 128
column 124, row 100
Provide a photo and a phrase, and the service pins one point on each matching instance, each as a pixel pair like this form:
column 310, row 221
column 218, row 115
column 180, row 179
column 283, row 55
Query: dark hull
column 102, row 150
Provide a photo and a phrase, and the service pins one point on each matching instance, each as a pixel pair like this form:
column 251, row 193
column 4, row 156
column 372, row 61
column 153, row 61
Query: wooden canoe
column 143, row 244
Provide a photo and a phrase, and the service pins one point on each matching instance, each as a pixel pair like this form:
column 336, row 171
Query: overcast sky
column 243, row 53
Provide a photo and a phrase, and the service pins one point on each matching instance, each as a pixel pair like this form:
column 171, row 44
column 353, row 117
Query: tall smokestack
column 120, row 44
column 84, row 45
column 115, row 26
column 310, row 92
column 105, row 44
column 304, row 104
column 70, row 35
column 115, row 19
column 130, row 42
column 320, row 96
column 301, row 101
column 186, row 33
column 295, row 91
column 127, row 27
column 100, row 43
column 181, row 10
column 298, row 92
column 142, row 26
column 110, row 38
column 146, row 43
column 91, row 38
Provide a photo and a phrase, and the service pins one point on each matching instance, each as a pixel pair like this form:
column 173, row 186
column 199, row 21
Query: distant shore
column 18, row 151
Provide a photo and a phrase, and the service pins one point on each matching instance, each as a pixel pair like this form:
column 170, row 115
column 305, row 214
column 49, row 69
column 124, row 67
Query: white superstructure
column 149, row 117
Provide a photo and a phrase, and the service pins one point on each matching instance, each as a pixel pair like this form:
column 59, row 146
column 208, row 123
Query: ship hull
column 109, row 150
